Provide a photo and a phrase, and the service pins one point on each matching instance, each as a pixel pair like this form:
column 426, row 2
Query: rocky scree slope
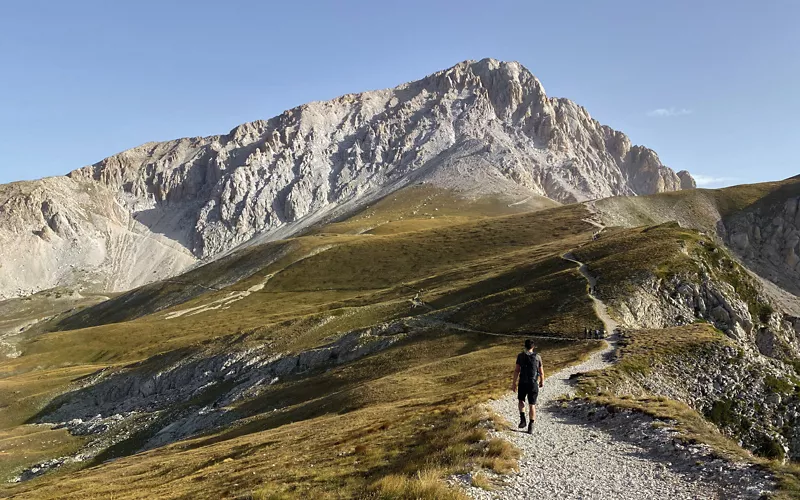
column 62, row 231
column 482, row 127
column 747, row 381
column 750, row 397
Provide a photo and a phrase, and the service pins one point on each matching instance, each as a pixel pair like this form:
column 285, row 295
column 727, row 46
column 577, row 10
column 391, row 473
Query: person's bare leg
column 522, row 406
column 533, row 412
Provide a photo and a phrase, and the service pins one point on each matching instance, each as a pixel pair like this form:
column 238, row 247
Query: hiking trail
column 569, row 457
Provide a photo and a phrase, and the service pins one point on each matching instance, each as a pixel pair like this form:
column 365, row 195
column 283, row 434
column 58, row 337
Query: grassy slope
column 700, row 209
column 411, row 209
column 425, row 207
column 355, row 276
column 622, row 258
column 473, row 270
column 37, row 313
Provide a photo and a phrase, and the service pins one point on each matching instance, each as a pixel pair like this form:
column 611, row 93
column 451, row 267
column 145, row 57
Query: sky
column 711, row 86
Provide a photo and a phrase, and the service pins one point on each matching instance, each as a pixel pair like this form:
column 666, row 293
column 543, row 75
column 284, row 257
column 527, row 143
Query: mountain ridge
column 480, row 128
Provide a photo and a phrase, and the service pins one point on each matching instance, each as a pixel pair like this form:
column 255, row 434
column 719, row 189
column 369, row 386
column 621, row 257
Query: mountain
column 482, row 128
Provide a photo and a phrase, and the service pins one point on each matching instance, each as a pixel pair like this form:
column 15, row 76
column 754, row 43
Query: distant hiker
column 585, row 332
column 529, row 372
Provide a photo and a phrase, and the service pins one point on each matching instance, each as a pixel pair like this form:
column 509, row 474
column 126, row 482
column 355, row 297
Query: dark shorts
column 530, row 391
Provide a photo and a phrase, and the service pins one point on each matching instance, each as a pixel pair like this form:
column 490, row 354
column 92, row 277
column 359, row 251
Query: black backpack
column 529, row 368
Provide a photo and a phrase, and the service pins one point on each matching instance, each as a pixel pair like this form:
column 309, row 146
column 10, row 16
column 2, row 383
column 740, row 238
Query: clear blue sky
column 81, row 80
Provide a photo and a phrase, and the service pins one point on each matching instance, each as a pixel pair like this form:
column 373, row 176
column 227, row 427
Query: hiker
column 530, row 375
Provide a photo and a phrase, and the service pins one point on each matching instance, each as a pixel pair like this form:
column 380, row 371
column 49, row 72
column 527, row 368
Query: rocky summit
column 479, row 128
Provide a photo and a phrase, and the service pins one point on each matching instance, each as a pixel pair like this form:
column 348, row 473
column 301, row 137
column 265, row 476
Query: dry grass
column 422, row 207
column 368, row 427
column 409, row 409
column 498, row 260
column 500, row 456
column 498, row 274
column 623, row 259
column 788, row 476
column 21, row 445
column 482, row 481
column 424, row 485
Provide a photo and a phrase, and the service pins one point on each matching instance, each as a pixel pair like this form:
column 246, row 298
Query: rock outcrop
column 767, row 236
column 484, row 127
column 746, row 382
column 687, row 181
column 749, row 397
column 656, row 303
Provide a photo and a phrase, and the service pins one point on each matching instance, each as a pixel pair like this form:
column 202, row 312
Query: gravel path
column 599, row 308
column 568, row 458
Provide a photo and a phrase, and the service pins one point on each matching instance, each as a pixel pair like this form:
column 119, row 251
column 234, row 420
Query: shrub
column 721, row 413
column 771, row 448
column 778, row 385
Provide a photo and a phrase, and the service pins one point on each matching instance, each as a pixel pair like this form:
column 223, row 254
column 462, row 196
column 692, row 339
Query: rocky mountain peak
column 687, row 181
column 505, row 83
column 480, row 128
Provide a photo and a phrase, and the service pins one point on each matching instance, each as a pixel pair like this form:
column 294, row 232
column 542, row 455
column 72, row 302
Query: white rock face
column 479, row 127
column 60, row 232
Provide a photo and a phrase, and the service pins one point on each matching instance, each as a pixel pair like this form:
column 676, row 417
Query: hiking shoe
column 522, row 422
column 530, row 427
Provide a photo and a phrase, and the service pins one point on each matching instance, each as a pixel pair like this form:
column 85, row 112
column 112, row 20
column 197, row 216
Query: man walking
column 529, row 372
